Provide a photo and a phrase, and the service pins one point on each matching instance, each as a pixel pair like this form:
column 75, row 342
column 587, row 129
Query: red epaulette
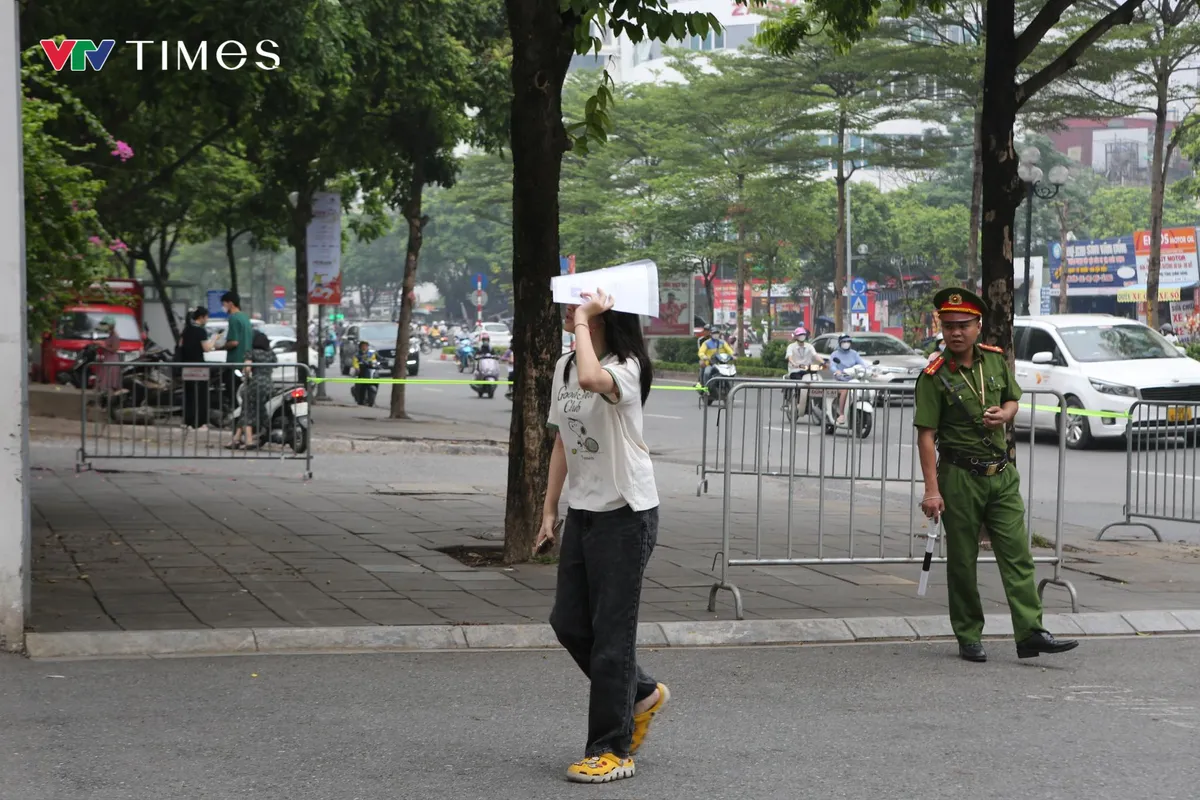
column 935, row 365
column 992, row 348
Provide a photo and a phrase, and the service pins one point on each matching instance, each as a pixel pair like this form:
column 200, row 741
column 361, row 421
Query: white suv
column 1100, row 363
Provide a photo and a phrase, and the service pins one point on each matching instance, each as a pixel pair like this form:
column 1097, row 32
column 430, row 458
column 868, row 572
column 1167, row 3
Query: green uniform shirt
column 240, row 331
column 937, row 409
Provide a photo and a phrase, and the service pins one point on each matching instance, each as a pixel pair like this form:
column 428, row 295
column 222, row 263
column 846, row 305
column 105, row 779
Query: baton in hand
column 930, row 541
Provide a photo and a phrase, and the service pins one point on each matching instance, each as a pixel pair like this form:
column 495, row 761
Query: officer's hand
column 932, row 506
column 994, row 418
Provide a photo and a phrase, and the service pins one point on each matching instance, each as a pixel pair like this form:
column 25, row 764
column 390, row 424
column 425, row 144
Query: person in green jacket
column 964, row 400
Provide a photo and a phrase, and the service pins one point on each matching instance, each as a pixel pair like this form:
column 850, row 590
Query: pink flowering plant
column 66, row 246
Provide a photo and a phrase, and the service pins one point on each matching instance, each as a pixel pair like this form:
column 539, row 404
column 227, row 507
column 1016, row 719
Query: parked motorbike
column 465, row 355
column 718, row 390
column 487, row 372
column 80, row 372
column 288, row 411
column 365, row 393
column 860, row 403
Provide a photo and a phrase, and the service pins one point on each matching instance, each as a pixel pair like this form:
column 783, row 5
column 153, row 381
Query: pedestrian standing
column 610, row 529
column 193, row 344
column 258, row 388
column 238, row 339
column 964, row 400
column 109, row 377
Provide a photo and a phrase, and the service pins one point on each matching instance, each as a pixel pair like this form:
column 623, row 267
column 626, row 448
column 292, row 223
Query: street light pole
column 1031, row 174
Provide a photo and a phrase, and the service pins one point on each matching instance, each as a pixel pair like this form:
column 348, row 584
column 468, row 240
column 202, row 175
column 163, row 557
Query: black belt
column 980, row 467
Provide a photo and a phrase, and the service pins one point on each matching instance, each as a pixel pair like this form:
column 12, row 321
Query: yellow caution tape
column 1075, row 412
column 1080, row 412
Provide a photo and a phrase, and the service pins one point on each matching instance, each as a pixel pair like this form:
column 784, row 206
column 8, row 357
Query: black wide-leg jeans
column 601, row 563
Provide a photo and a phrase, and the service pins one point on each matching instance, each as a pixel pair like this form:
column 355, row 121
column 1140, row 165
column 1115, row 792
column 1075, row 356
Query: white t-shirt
column 801, row 355
column 608, row 463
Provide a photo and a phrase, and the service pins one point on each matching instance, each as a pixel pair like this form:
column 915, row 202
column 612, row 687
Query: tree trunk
column 1158, row 182
column 743, row 277
column 976, row 203
column 416, row 232
column 301, row 216
column 543, row 43
column 1001, row 187
column 158, row 276
column 710, row 273
column 231, row 257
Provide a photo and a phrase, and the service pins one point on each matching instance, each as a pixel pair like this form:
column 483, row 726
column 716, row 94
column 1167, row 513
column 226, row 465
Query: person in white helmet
column 937, row 351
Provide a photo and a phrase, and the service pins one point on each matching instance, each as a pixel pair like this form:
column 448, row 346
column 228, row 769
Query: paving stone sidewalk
column 157, row 551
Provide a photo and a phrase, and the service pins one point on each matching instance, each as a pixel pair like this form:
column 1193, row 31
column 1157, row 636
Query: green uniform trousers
column 972, row 501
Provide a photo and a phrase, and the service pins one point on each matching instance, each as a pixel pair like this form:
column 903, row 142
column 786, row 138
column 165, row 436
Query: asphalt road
column 1094, row 490
column 1113, row 720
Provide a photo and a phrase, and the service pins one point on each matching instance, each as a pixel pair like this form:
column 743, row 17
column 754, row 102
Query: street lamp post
column 1032, row 175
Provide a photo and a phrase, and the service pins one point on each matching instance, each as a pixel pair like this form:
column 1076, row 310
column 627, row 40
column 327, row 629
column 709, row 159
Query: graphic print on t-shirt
column 582, row 440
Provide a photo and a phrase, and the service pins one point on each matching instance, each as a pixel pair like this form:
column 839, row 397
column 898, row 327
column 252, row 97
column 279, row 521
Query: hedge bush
column 677, row 351
column 1193, row 350
column 774, row 355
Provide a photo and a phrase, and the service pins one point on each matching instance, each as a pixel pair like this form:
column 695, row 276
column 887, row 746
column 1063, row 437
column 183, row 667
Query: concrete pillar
column 14, row 360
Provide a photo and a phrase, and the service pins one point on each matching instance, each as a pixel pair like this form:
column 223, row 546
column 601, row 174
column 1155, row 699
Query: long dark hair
column 623, row 338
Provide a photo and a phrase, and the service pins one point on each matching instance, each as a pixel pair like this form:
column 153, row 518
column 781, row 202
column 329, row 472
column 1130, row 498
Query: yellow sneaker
column 641, row 722
column 600, row 769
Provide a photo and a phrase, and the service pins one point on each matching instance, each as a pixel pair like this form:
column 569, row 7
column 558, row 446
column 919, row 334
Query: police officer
column 964, row 400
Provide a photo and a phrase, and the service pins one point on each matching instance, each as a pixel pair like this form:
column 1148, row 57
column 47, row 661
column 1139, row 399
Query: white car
column 1101, row 363
column 498, row 333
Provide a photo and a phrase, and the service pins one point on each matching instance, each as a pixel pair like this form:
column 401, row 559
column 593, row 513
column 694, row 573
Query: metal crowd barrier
column 168, row 410
column 789, row 453
column 1160, row 460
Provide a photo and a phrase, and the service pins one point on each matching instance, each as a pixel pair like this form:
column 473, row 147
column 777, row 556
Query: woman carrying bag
column 610, row 529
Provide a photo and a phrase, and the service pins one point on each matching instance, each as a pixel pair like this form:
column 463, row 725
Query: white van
column 1100, row 363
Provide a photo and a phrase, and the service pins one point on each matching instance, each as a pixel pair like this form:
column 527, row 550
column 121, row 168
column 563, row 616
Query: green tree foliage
column 67, row 248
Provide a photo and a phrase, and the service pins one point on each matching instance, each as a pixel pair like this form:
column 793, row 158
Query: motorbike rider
column 801, row 355
column 485, row 346
column 843, row 359
column 1169, row 333
column 709, row 349
column 937, row 351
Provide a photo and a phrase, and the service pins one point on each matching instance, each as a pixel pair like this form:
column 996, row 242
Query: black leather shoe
column 972, row 652
column 1043, row 642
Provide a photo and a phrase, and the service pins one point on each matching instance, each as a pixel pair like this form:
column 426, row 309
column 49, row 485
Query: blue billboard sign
column 215, row 309
column 1094, row 266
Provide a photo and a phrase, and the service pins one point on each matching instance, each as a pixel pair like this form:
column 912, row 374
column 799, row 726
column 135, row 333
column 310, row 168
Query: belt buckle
column 992, row 469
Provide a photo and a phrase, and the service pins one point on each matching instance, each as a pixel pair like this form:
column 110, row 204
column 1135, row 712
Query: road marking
column 661, row 416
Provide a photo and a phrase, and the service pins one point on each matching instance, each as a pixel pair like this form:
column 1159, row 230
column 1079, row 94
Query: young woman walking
column 609, row 532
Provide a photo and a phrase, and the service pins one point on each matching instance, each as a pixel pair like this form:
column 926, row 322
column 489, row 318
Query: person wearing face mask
column 939, row 349
column 843, row 359
column 709, row 348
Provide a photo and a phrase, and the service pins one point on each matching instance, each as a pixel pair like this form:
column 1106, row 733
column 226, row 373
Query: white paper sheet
column 633, row 287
